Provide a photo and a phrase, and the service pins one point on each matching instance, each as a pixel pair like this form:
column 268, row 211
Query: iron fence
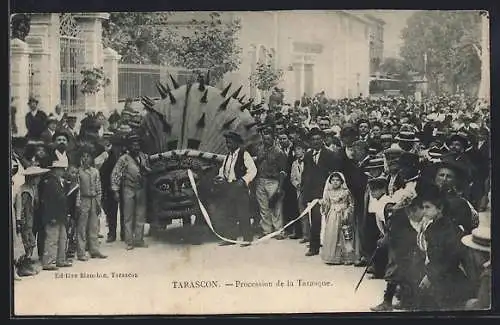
column 137, row 80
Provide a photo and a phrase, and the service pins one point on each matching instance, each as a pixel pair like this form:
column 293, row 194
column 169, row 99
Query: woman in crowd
column 444, row 285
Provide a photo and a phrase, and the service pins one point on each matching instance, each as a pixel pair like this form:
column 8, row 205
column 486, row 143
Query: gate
column 72, row 55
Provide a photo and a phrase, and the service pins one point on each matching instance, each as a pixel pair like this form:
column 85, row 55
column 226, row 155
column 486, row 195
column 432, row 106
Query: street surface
column 159, row 280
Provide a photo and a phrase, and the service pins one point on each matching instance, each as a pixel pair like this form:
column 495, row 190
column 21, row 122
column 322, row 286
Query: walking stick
column 366, row 269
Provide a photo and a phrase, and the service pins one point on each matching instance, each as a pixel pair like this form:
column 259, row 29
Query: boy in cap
column 296, row 179
column 26, row 202
column 54, row 211
column 88, row 203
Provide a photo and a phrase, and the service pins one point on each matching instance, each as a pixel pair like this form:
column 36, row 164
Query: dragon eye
column 164, row 187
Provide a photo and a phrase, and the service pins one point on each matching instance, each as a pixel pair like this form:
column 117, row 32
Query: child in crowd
column 337, row 207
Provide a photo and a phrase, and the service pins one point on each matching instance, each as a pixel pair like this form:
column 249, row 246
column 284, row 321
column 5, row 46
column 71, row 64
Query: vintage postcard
column 204, row 163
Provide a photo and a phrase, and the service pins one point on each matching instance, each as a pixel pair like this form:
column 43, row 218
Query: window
column 72, row 58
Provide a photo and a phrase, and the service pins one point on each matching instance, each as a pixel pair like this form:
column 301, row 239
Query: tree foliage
column 93, row 80
column 396, row 68
column 20, row 26
column 139, row 37
column 265, row 75
column 207, row 45
column 148, row 38
column 451, row 40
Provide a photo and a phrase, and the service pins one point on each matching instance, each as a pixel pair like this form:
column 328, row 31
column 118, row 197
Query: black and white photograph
column 250, row 162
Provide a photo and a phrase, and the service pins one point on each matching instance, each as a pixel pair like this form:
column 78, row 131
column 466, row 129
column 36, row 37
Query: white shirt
column 316, row 154
column 227, row 168
column 59, row 116
column 34, row 112
column 296, row 173
column 63, row 157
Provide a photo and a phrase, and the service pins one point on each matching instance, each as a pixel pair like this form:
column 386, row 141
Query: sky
column 395, row 22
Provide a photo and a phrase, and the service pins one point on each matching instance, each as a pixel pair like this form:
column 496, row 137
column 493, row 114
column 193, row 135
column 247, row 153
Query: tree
column 265, row 76
column 207, row 45
column 20, row 26
column 395, row 67
column 448, row 39
column 139, row 37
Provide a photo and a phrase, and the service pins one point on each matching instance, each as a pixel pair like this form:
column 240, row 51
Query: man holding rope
column 233, row 199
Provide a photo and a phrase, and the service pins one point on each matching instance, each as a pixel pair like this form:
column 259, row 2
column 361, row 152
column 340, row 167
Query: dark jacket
column 406, row 259
column 315, row 175
column 460, row 212
column 46, row 136
column 53, row 200
column 449, row 286
column 35, row 124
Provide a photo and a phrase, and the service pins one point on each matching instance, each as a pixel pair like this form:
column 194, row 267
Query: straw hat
column 406, row 136
column 34, row 170
column 479, row 239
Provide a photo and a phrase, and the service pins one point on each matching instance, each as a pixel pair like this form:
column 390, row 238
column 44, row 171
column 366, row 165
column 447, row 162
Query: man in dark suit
column 53, row 212
column 50, row 130
column 72, row 133
column 109, row 204
column 35, row 119
column 318, row 164
column 290, row 203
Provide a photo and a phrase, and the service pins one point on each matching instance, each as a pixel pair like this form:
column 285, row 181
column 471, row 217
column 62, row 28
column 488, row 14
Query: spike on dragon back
column 184, row 130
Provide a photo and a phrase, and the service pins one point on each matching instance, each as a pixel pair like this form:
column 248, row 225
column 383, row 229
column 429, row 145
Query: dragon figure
column 184, row 130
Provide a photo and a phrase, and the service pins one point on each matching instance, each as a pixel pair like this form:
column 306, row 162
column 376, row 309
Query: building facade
column 48, row 63
column 376, row 36
column 317, row 50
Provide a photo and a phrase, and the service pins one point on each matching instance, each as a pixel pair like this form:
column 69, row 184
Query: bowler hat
column 316, row 131
column 450, row 163
column 233, row 136
column 460, row 137
column 58, row 134
column 393, row 151
column 51, row 118
column 377, row 162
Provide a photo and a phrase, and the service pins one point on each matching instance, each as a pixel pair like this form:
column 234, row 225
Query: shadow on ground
column 181, row 235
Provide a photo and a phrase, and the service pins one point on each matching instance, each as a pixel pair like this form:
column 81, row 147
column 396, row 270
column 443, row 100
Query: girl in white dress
column 337, row 206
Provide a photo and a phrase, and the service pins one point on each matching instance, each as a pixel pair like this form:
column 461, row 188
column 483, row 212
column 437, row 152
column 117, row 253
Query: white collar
column 60, row 154
column 34, row 112
column 235, row 152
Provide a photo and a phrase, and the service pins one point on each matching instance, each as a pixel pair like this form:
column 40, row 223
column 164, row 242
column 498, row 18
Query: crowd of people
column 399, row 185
